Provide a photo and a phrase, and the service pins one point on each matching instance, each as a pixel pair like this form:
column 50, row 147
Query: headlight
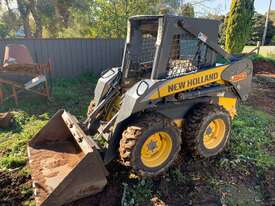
column 142, row 87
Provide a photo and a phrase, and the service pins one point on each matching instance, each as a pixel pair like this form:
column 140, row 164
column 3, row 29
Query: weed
column 139, row 193
column 26, row 191
column 177, row 176
column 25, row 172
column 29, row 203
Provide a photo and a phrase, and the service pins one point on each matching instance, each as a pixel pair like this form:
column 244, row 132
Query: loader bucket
column 64, row 162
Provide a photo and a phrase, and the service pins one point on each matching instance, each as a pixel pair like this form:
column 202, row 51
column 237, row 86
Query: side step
column 64, row 162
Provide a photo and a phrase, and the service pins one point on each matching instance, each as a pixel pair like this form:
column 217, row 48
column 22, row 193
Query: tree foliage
column 47, row 18
column 10, row 22
column 4, row 31
column 187, row 10
column 256, row 34
column 258, row 24
column 81, row 18
column 239, row 25
column 62, row 18
column 272, row 16
column 109, row 18
column 222, row 29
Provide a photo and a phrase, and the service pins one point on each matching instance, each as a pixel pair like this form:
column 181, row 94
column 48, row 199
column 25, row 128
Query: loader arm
column 203, row 37
column 98, row 109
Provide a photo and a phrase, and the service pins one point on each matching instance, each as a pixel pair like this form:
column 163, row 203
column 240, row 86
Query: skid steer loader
column 176, row 87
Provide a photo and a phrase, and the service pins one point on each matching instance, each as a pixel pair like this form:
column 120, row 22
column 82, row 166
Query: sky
column 223, row 6
column 219, row 6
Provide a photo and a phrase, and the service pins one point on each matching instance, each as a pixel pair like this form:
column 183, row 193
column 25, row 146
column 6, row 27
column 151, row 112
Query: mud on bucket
column 64, row 162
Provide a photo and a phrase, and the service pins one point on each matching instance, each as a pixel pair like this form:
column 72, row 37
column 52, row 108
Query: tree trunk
column 37, row 19
column 25, row 13
column 26, row 25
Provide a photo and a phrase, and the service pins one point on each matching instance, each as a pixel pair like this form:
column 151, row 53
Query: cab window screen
column 148, row 47
column 188, row 54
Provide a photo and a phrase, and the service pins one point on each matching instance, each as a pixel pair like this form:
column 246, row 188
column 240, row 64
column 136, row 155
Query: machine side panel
column 104, row 84
column 187, row 82
column 239, row 74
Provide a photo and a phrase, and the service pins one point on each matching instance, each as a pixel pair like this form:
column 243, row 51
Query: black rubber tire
column 196, row 123
column 136, row 134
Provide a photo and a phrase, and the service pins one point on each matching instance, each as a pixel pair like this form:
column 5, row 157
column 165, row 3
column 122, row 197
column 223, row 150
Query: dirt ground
column 196, row 187
column 12, row 184
column 263, row 93
column 263, row 96
column 262, row 67
column 269, row 184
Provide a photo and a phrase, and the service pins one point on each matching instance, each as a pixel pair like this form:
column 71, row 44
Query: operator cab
column 140, row 47
column 152, row 53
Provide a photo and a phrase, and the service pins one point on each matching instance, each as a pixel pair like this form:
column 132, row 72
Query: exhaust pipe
column 65, row 163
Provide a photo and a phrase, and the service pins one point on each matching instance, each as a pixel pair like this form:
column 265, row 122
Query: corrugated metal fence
column 71, row 57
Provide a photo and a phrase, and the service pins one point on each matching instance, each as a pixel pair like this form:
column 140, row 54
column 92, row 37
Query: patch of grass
column 265, row 51
column 248, row 151
column 11, row 161
column 250, row 139
column 13, row 143
column 263, row 58
column 270, row 55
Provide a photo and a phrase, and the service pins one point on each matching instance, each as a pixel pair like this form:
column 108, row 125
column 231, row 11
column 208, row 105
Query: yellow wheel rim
column 214, row 134
column 156, row 149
